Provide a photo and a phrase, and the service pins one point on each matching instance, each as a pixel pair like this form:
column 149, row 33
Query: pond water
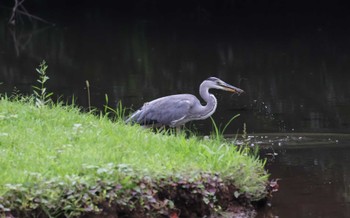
column 295, row 79
column 314, row 171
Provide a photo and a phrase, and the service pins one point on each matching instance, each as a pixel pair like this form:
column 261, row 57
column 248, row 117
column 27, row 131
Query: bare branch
column 12, row 19
column 33, row 16
column 23, row 11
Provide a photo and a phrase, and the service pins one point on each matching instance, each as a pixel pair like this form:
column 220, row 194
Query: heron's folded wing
column 165, row 111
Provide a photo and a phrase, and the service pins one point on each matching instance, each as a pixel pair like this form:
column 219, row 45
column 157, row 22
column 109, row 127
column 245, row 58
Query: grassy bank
column 47, row 151
column 57, row 161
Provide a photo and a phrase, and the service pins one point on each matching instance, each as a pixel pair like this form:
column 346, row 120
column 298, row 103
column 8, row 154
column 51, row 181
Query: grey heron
column 176, row 110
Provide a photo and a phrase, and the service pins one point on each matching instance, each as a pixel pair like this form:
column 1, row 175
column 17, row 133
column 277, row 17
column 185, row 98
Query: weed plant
column 42, row 97
column 60, row 161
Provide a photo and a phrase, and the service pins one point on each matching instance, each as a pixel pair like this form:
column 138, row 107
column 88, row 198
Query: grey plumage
column 176, row 110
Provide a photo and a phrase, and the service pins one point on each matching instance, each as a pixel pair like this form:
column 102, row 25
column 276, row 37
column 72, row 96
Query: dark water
column 314, row 172
column 293, row 81
column 296, row 79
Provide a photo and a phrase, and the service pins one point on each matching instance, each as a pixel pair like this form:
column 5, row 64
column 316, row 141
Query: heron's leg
column 178, row 130
column 161, row 128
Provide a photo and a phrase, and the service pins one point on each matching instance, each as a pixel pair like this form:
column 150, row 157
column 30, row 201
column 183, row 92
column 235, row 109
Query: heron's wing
column 166, row 110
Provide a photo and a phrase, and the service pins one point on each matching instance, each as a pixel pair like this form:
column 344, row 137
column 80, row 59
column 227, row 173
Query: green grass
column 60, row 140
column 57, row 143
column 57, row 160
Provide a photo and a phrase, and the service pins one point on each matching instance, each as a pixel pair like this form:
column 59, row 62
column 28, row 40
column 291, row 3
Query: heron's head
column 216, row 83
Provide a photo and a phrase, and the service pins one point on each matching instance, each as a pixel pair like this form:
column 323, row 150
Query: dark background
column 281, row 14
column 291, row 57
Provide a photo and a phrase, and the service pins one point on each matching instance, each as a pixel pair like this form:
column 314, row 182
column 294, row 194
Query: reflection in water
column 292, row 83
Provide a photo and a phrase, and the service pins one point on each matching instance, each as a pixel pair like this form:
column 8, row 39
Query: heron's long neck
column 210, row 107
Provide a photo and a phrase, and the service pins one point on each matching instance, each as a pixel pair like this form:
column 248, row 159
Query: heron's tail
column 133, row 118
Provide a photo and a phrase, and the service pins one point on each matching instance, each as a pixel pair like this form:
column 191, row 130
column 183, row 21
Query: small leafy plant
column 42, row 97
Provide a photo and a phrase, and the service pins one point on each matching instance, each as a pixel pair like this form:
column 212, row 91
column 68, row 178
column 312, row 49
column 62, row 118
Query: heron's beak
column 230, row 88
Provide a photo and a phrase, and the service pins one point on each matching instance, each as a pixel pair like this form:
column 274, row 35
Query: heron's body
column 176, row 110
column 185, row 105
